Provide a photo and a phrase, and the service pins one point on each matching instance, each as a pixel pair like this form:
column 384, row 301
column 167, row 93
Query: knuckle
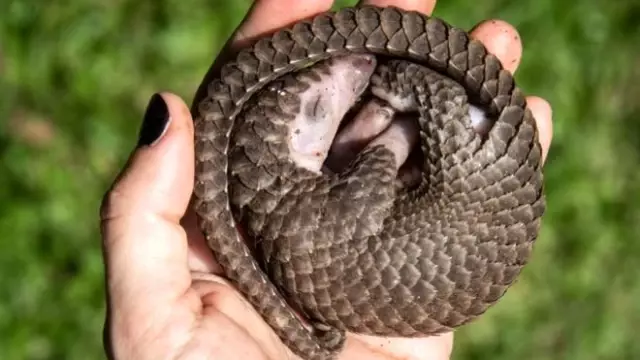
column 111, row 203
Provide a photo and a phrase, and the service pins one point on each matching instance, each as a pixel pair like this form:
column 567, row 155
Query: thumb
column 145, row 247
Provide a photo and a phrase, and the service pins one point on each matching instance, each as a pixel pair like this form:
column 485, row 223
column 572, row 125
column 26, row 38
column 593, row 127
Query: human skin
column 166, row 296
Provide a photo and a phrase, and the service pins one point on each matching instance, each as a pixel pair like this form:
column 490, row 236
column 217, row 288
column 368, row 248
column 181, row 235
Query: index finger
column 264, row 16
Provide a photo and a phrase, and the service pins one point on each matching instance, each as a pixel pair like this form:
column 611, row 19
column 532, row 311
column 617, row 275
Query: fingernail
column 155, row 123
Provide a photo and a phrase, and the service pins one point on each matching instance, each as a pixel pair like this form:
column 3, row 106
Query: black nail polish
column 155, row 123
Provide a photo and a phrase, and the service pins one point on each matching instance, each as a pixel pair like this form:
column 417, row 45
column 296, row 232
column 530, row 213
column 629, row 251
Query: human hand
column 166, row 297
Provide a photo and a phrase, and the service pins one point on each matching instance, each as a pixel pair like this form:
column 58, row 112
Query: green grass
column 75, row 76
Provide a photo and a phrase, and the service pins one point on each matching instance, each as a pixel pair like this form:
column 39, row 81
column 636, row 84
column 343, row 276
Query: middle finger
column 423, row 6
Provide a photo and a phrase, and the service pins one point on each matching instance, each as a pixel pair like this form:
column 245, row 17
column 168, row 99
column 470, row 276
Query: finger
column 145, row 247
column 423, row 6
column 542, row 112
column 502, row 40
column 429, row 348
column 265, row 16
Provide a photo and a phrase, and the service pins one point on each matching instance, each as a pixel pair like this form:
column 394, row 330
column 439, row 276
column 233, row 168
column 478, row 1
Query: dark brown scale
column 352, row 251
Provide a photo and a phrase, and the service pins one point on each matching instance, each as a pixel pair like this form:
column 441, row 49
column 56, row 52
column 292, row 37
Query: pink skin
column 324, row 105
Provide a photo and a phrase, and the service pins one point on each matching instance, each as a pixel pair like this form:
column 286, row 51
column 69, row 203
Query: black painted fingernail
column 155, row 123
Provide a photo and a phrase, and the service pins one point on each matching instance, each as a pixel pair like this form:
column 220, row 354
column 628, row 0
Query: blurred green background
column 75, row 76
